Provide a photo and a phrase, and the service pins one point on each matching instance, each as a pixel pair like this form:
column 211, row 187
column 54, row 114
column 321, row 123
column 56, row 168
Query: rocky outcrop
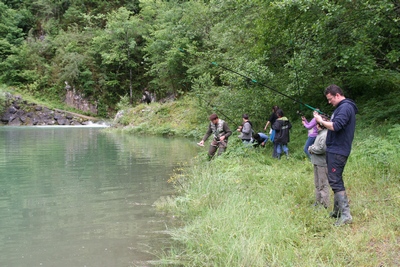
column 76, row 100
column 19, row 112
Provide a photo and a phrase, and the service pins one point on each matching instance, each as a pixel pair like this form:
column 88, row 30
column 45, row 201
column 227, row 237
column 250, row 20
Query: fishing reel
column 325, row 117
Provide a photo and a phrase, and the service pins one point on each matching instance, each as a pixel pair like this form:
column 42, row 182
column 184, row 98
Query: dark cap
column 213, row 117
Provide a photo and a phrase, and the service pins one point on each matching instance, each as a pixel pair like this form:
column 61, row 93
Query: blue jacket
column 344, row 123
column 263, row 137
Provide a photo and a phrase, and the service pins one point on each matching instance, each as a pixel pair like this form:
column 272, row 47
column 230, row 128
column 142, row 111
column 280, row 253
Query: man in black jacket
column 339, row 139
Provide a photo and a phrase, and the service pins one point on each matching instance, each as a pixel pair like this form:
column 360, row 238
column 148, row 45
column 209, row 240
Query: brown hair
column 333, row 89
column 213, row 117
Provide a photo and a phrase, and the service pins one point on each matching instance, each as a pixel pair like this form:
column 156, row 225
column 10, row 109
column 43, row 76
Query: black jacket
column 282, row 127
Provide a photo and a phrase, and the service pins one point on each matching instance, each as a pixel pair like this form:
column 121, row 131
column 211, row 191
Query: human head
column 334, row 94
column 333, row 89
column 279, row 113
column 275, row 109
column 213, row 117
column 256, row 136
column 245, row 116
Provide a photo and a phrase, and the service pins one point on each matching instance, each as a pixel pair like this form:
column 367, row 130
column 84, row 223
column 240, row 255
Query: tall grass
column 246, row 209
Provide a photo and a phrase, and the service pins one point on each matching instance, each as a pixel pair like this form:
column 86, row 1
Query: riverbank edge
column 246, row 209
column 17, row 111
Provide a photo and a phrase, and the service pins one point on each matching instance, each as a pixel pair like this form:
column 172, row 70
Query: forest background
column 107, row 50
column 233, row 57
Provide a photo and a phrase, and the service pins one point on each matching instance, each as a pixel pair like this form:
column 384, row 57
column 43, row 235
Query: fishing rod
column 264, row 85
column 269, row 87
column 218, row 111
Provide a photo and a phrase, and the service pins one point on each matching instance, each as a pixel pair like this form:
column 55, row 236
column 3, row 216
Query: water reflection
column 80, row 197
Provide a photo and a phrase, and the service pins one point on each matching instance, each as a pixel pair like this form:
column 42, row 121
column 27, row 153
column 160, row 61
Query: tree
column 119, row 48
column 11, row 36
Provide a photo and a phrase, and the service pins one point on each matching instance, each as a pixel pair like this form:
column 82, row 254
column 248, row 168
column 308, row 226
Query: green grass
column 178, row 118
column 247, row 209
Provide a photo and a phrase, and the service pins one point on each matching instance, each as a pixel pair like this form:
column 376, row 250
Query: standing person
column 339, row 139
column 312, row 133
column 318, row 159
column 221, row 132
column 281, row 126
column 272, row 118
column 245, row 129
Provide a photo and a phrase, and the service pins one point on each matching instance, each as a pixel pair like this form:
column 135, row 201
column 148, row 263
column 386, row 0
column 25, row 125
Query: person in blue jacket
column 339, row 140
column 260, row 139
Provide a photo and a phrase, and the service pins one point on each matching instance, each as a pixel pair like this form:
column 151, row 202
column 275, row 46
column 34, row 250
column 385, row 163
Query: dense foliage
column 110, row 49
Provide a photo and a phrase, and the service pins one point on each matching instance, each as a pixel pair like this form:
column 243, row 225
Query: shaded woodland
column 107, row 50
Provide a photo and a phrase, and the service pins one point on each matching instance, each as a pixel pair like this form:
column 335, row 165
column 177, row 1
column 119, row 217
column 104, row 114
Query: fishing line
column 269, row 87
column 264, row 85
column 217, row 110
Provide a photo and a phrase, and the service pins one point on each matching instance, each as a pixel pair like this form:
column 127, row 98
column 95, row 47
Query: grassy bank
column 247, row 209
column 174, row 118
column 6, row 92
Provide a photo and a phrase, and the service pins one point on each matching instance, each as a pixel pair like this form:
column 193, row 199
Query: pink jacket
column 312, row 127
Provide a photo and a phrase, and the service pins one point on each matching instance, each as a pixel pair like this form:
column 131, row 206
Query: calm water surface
column 80, row 197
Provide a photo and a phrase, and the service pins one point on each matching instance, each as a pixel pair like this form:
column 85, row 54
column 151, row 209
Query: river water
column 76, row 196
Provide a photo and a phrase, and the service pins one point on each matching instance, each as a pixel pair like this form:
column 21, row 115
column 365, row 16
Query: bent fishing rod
column 264, row 85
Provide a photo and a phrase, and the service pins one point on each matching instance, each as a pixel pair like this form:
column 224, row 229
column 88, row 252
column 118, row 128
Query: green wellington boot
column 344, row 209
column 335, row 212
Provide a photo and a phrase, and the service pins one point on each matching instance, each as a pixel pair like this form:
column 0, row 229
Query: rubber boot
column 345, row 217
column 335, row 213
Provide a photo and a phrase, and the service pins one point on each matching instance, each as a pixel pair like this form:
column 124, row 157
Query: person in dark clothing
column 220, row 131
column 272, row 118
column 146, row 98
column 281, row 126
column 339, row 140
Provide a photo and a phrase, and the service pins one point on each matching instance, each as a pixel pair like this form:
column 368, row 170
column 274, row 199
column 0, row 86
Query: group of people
column 279, row 135
column 328, row 146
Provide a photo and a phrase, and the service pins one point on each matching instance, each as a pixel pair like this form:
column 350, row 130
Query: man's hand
column 317, row 117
